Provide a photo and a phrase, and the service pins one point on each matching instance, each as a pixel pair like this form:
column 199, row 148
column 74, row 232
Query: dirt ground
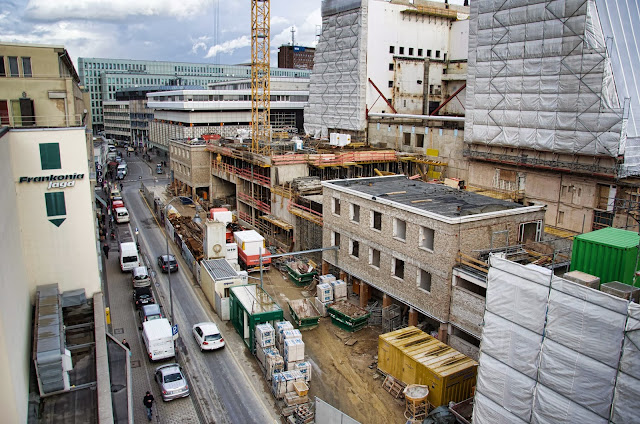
column 341, row 375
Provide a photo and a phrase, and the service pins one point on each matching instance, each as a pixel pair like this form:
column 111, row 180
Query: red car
column 117, row 204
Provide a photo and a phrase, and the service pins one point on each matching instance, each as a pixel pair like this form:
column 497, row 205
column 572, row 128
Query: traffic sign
column 174, row 331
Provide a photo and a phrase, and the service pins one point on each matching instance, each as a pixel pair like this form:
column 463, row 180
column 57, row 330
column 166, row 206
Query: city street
column 224, row 385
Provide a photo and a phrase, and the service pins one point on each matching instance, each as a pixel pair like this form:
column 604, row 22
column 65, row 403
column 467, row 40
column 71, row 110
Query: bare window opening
column 355, row 248
column 419, row 140
column 419, row 52
column 399, row 229
column 428, row 52
column 431, row 89
column 445, row 57
column 392, row 49
column 401, row 50
column 376, row 220
column 410, row 51
column 426, row 238
column 391, row 66
column 390, row 84
column 398, row 268
column 560, row 217
column 424, row 280
column 374, row 257
column 355, row 213
column 473, row 288
column 336, row 206
column 335, row 239
column 437, row 54
column 530, row 232
column 466, row 337
column 407, row 139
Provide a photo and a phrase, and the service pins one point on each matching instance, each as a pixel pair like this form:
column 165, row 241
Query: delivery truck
column 158, row 339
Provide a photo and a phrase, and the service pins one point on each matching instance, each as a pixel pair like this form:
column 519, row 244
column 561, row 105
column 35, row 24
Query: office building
column 295, row 57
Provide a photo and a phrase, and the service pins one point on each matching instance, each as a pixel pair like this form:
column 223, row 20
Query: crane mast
column 260, row 77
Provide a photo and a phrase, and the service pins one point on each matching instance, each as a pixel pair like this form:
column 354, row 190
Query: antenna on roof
column 293, row 36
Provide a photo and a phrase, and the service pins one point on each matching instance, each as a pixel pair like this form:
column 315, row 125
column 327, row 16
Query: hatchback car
column 172, row 382
column 208, row 336
column 167, row 263
column 142, row 296
column 150, row 312
column 140, row 277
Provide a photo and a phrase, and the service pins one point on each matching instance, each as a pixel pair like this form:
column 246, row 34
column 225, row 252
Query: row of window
column 423, row 277
column 17, row 67
column 426, row 234
column 410, row 50
column 20, row 111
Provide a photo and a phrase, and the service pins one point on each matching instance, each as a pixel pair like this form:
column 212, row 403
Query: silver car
column 172, row 382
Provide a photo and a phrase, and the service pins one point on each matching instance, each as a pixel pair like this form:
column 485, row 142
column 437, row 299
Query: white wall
column 66, row 255
column 459, row 40
column 15, row 309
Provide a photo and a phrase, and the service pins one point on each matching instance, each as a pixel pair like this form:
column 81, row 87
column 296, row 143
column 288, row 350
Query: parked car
column 172, row 382
column 159, row 169
column 130, row 149
column 117, row 204
column 208, row 336
column 118, row 159
column 167, row 263
column 141, row 277
column 150, row 312
column 142, row 296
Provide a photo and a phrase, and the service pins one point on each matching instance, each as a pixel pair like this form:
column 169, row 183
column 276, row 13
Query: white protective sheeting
column 551, row 351
column 540, row 78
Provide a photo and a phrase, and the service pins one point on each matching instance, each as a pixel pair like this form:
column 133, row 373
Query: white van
column 122, row 215
column 122, row 168
column 129, row 257
column 158, row 339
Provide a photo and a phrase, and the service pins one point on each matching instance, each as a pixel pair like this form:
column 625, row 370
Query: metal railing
column 40, row 121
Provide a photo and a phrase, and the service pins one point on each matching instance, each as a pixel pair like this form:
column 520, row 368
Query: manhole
column 135, row 364
column 118, row 331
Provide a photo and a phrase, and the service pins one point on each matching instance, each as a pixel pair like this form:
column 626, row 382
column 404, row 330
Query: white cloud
column 278, row 21
column 199, row 43
column 229, row 46
column 48, row 10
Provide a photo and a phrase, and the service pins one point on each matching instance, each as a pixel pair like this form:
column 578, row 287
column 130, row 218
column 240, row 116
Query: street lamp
column 168, row 262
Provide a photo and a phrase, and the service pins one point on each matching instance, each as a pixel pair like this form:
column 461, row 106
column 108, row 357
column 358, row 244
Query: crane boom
column 260, row 77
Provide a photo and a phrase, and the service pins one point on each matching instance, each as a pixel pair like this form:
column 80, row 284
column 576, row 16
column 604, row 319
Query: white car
column 208, row 336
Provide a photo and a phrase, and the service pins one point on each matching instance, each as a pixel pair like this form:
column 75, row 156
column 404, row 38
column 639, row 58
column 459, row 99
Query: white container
column 321, row 307
column 250, row 242
column 327, row 278
column 291, row 366
column 232, row 253
column 305, row 368
column 325, row 292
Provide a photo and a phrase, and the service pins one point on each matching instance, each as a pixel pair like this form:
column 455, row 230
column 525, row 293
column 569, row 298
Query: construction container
column 250, row 306
column 624, row 291
column 348, row 316
column 583, row 278
column 303, row 313
column 300, row 274
column 414, row 357
column 609, row 253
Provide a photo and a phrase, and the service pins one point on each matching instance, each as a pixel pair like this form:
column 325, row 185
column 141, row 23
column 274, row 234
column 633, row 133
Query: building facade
column 400, row 240
column 295, row 57
column 103, row 78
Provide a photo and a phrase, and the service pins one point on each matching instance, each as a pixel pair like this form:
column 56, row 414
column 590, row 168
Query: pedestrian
column 121, row 187
column 105, row 249
column 148, row 403
column 125, row 344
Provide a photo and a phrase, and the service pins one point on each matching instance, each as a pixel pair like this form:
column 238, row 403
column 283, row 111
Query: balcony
column 42, row 121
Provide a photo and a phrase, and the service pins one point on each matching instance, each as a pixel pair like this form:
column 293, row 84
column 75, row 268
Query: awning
column 277, row 222
column 99, row 199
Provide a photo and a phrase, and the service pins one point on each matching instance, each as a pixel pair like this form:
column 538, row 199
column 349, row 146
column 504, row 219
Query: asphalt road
column 227, row 390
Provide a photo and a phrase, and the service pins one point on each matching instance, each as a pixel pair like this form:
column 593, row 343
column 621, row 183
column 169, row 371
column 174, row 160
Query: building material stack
column 339, row 289
column 324, row 294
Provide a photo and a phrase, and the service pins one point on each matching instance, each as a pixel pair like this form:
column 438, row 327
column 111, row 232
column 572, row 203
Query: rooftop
column 447, row 202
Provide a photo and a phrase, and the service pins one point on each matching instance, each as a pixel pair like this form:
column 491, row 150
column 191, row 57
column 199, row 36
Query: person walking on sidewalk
column 105, row 249
column 148, row 403
column 125, row 344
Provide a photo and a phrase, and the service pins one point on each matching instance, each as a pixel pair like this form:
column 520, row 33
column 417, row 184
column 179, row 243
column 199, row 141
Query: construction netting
column 553, row 351
column 541, row 78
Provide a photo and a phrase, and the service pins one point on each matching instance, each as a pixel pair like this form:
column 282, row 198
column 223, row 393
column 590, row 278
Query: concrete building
column 400, row 241
column 223, row 109
column 295, row 57
column 553, row 111
column 117, row 120
column 191, row 167
column 411, row 67
column 105, row 77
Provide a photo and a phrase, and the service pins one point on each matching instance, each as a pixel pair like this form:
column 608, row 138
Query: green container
column 249, row 306
column 609, row 253
column 301, row 279
column 352, row 323
column 304, row 314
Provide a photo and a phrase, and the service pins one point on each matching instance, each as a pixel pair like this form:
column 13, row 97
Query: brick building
column 295, row 57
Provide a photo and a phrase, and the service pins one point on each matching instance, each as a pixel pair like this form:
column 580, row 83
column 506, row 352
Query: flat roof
column 435, row 200
column 254, row 299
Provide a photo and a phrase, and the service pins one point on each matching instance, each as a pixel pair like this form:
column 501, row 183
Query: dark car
column 167, row 263
column 150, row 312
column 142, row 296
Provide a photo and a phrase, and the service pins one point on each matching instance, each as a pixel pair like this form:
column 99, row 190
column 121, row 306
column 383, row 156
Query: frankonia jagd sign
column 55, row 181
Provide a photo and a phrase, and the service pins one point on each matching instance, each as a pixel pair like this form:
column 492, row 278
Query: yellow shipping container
column 414, row 357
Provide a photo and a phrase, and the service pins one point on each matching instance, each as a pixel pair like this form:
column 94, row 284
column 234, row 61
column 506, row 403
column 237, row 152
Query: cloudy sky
column 171, row 30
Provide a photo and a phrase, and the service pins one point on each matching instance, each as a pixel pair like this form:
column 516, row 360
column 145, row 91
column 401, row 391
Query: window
column 399, row 229
column 390, row 84
column 4, row 112
column 354, row 248
column 426, row 238
column 55, row 203
column 390, row 67
column 437, row 53
column 374, row 257
column 410, row 51
column 407, row 138
column 26, row 67
column 355, row 213
column 469, row 286
column 419, row 52
column 50, row 156
column 392, row 49
column 419, row 140
column 13, row 66
column 398, row 268
column 335, row 238
column 530, row 232
column 3, row 73
column 376, row 220
column 401, row 50
column 336, row 206
column 424, row 280
column 428, row 53
column 560, row 217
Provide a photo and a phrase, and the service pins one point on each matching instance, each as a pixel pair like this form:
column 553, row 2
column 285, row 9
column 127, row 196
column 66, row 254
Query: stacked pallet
column 307, row 185
column 266, row 352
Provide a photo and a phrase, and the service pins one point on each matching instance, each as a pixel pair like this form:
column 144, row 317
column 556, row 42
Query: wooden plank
column 422, row 200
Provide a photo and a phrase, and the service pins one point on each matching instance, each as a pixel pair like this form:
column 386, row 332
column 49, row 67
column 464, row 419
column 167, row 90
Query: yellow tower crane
column 260, row 77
